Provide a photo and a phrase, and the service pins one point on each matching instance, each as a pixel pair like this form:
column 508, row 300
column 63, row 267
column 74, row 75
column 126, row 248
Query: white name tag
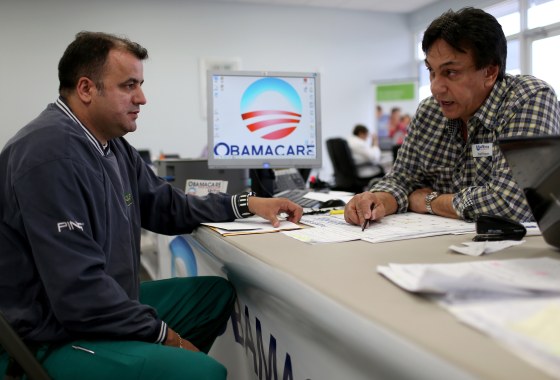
column 482, row 150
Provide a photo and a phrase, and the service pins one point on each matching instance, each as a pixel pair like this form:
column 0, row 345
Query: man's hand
column 269, row 208
column 369, row 206
column 175, row 340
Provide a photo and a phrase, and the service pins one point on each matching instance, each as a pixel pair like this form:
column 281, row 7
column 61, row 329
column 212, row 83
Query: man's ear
column 491, row 75
column 85, row 89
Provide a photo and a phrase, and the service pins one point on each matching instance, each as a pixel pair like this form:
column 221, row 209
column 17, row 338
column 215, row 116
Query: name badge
column 482, row 150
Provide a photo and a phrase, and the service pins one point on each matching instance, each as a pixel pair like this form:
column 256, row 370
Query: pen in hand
column 367, row 221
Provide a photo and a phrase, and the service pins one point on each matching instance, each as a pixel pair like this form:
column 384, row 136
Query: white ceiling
column 397, row 6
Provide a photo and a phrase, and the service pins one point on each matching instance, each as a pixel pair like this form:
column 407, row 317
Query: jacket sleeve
column 167, row 210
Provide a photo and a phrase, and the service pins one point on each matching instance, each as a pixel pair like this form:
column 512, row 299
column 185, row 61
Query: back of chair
column 345, row 172
column 18, row 350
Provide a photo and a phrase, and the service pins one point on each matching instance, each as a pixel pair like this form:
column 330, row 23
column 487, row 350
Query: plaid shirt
column 434, row 154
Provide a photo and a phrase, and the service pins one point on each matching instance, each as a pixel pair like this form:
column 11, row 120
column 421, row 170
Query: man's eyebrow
column 445, row 64
column 134, row 81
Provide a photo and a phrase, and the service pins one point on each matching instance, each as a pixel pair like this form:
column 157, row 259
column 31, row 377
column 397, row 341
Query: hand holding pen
column 369, row 220
column 366, row 207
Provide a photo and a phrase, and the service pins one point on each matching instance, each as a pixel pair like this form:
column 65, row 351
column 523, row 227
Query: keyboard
column 297, row 196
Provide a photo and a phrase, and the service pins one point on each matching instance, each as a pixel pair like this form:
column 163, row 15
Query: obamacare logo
column 271, row 124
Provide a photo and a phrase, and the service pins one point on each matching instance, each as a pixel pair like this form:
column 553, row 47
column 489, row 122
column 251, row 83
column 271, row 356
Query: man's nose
column 437, row 86
column 139, row 97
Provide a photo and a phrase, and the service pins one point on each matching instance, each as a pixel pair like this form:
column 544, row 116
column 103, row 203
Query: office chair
column 345, row 170
column 20, row 353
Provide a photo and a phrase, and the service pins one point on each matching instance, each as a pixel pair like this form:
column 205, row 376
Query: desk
column 329, row 314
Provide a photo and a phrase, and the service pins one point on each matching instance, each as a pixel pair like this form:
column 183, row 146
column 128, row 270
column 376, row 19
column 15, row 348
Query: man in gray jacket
column 73, row 200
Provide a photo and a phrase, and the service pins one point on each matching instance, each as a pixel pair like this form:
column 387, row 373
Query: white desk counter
column 323, row 312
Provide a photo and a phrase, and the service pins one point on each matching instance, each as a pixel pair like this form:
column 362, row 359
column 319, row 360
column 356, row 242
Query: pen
column 366, row 222
column 336, row 212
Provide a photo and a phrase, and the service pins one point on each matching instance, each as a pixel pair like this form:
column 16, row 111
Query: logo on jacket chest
column 128, row 199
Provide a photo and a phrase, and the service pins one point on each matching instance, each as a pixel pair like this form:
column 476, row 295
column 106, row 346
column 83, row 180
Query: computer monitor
column 535, row 166
column 264, row 120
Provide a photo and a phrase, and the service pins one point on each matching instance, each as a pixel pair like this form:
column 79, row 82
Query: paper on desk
column 477, row 248
column 327, row 229
column 517, row 302
column 252, row 225
column 333, row 228
column 529, row 327
column 532, row 229
column 516, row 276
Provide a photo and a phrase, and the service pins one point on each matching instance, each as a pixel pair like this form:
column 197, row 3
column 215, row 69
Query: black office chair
column 20, row 353
column 345, row 170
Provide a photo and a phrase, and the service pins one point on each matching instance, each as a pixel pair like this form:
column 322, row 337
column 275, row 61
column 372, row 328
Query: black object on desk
column 494, row 227
column 535, row 166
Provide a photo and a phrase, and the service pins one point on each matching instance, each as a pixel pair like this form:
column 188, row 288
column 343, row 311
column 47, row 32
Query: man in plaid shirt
column 450, row 163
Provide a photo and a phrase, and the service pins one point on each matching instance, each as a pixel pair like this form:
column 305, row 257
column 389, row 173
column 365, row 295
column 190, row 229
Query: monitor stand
column 262, row 182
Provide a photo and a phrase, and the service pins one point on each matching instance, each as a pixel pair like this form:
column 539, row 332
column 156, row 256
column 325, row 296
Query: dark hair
column 86, row 57
column 470, row 29
column 359, row 129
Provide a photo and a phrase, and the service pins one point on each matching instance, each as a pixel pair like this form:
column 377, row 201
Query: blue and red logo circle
column 271, row 123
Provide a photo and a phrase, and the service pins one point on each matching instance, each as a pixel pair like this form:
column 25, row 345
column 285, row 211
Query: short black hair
column 470, row 29
column 359, row 129
column 86, row 57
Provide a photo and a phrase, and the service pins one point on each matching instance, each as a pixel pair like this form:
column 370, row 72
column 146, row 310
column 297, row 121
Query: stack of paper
column 515, row 301
column 252, row 225
column 333, row 228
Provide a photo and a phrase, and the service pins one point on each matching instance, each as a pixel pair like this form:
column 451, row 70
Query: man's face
column 456, row 84
column 114, row 109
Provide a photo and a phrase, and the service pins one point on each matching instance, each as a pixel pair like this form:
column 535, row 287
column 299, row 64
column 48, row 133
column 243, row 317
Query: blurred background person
column 398, row 133
column 394, row 121
column 365, row 152
column 382, row 120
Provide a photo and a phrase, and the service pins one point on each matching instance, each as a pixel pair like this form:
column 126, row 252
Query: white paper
column 516, row 276
column 326, row 229
column 478, row 248
column 530, row 327
column 254, row 223
column 333, row 228
column 532, row 228
column 517, row 302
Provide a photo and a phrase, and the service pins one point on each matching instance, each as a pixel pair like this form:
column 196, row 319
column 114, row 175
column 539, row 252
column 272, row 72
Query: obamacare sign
column 271, row 110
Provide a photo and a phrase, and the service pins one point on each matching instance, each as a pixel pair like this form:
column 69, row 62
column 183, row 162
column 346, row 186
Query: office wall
column 419, row 20
column 349, row 48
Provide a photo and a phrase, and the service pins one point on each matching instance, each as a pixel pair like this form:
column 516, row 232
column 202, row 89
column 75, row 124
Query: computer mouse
column 333, row 203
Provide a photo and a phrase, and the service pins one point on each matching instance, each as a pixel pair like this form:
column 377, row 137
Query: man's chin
column 449, row 114
column 131, row 127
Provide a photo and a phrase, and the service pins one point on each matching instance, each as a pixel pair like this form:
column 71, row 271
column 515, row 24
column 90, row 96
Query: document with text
column 516, row 301
column 333, row 228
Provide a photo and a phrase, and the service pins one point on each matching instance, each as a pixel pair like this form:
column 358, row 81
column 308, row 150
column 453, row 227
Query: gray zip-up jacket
column 70, row 220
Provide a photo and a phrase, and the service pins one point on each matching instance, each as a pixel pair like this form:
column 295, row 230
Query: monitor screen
column 262, row 120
